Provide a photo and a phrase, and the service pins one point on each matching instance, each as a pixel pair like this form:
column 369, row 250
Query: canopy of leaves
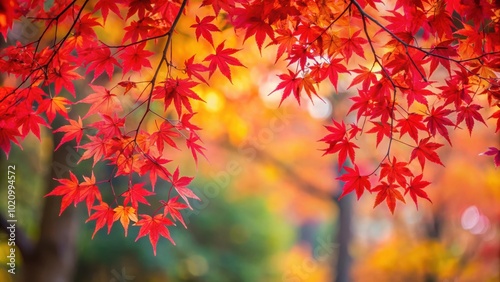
column 393, row 51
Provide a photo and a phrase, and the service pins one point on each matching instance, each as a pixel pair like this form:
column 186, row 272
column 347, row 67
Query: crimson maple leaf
column 109, row 126
column 177, row 91
column 8, row 132
column 69, row 189
column 95, row 148
column 205, row 28
column 154, row 226
column 437, row 120
column 90, row 191
column 73, row 131
column 135, row 58
column 332, row 70
column 54, row 105
column 496, row 115
column 293, row 84
column 221, row 60
column 163, row 135
column 354, row 182
column 470, row 113
column 425, row 150
column 31, row 122
column 191, row 143
column 395, row 171
column 411, row 125
column 180, row 185
column 136, row 194
column 338, row 132
column 416, row 189
column 193, row 69
column 382, row 129
column 105, row 6
column 172, row 207
column 345, row 148
column 389, row 193
column 492, row 151
column 185, row 124
column 101, row 60
column 102, row 101
column 354, row 43
column 103, row 215
column 154, row 166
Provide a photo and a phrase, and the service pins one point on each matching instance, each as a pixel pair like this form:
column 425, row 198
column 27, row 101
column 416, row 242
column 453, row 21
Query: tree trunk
column 54, row 256
column 343, row 238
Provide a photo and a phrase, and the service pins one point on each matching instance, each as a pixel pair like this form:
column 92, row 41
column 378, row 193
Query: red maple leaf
column 205, row 28
column 185, row 124
column 337, row 133
column 105, row 6
column 163, row 135
column 437, row 120
column 154, row 226
column 136, row 194
column 172, row 207
column 354, row 182
column 154, row 166
column 195, row 148
column 31, row 121
column 395, row 171
column 54, row 105
column 109, row 126
column 366, row 76
column 411, row 125
column 140, row 7
column 101, row 60
column 416, row 189
column 354, row 43
column 102, row 101
column 497, row 116
column 135, row 58
column 389, row 193
column 95, row 148
column 252, row 18
column 180, row 185
column 293, row 84
column 363, row 103
column 69, row 189
column 382, row 129
column 332, row 70
column 138, row 29
column 63, row 74
column 177, row 91
column 103, row 215
column 73, row 131
column 221, row 60
column 425, row 150
column 492, row 151
column 345, row 148
column 8, row 132
column 469, row 113
column 193, row 69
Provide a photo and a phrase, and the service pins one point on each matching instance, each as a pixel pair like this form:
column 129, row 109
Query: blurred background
column 269, row 207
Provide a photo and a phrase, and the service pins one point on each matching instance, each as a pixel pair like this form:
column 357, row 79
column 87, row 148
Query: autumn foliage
column 395, row 53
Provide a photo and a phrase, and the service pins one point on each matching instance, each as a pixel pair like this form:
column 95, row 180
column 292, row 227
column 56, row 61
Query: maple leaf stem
column 404, row 143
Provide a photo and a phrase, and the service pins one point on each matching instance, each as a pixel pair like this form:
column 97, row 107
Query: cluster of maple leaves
column 391, row 56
